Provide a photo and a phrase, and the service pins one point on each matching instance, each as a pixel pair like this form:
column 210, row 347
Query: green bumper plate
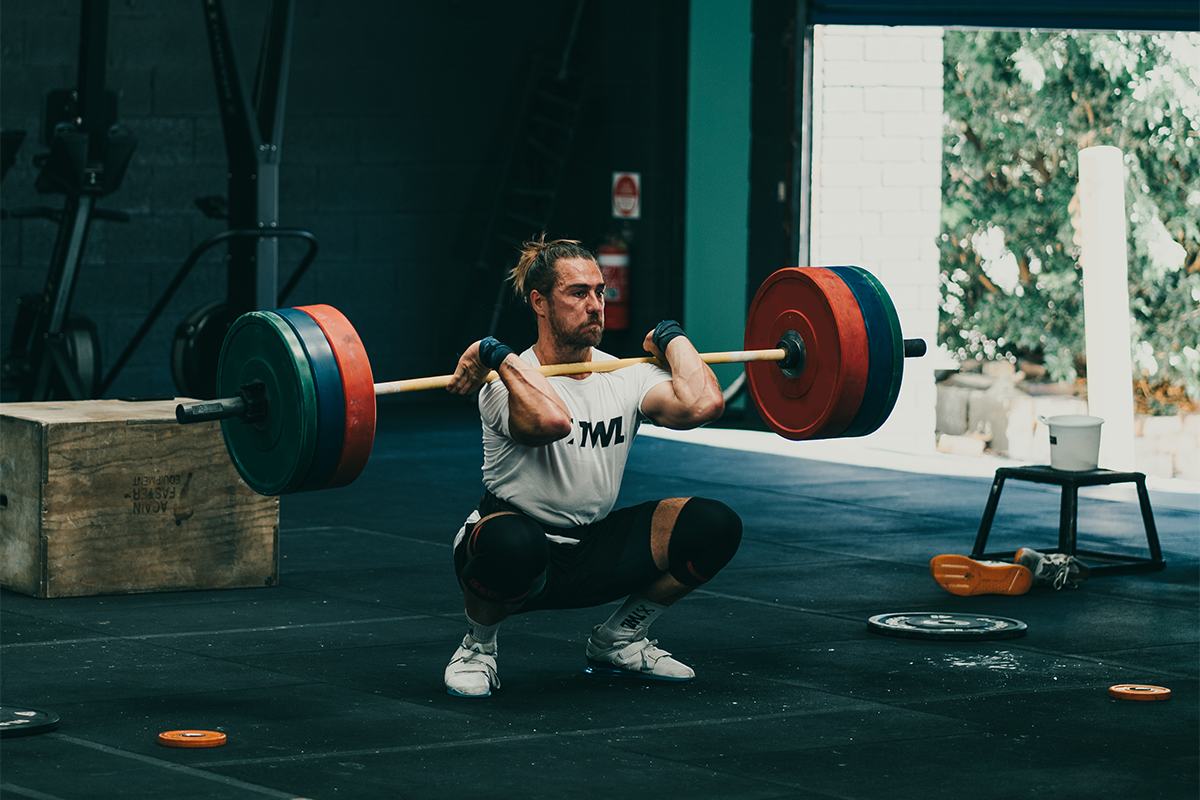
column 273, row 456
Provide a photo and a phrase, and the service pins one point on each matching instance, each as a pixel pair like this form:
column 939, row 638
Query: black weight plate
column 273, row 456
column 196, row 349
column 331, row 409
column 882, row 350
column 25, row 721
column 945, row 627
column 83, row 347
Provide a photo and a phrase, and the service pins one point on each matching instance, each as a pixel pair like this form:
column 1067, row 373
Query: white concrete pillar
column 1104, row 257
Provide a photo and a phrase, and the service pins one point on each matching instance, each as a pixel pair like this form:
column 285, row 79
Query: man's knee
column 705, row 538
column 506, row 559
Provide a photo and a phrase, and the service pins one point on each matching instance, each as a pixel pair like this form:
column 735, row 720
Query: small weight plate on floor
column 818, row 305
column 191, row 738
column 945, row 627
column 358, row 390
column 25, row 721
column 273, row 456
column 331, row 416
column 1139, row 691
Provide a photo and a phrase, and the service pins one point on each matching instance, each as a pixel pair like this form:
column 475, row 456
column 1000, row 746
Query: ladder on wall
column 530, row 176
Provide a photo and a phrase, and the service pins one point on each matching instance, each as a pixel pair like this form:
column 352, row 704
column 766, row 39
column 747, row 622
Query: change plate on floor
column 1139, row 691
column 191, row 738
column 25, row 721
column 945, row 627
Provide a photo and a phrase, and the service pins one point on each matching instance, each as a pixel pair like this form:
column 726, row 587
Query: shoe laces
column 1056, row 568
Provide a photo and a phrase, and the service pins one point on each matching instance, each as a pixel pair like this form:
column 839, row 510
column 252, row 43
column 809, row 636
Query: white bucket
column 1074, row 441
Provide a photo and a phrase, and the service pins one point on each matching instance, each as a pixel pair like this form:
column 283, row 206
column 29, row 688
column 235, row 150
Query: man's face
column 575, row 306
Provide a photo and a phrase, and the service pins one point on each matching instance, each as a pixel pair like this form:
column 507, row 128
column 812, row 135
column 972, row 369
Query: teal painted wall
column 718, row 168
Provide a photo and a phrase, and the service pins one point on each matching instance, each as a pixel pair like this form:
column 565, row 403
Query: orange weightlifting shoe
column 964, row 576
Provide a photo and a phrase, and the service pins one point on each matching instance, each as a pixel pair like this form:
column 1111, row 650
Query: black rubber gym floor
column 330, row 685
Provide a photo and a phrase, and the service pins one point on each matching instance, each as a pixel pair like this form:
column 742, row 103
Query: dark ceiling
column 1123, row 15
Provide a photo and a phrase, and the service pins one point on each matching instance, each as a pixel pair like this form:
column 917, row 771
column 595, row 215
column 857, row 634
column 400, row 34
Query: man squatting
column 545, row 535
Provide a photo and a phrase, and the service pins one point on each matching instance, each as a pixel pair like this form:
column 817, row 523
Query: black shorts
column 611, row 561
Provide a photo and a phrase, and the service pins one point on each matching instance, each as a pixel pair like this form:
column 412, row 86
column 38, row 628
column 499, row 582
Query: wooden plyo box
column 113, row 497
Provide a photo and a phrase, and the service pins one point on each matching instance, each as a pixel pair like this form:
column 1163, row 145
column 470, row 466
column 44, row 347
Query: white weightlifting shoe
column 1053, row 569
column 472, row 672
column 640, row 658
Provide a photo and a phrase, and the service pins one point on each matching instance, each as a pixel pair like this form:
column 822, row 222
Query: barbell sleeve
column 210, row 410
column 249, row 405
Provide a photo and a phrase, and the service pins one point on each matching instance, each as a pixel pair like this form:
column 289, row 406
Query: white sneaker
column 634, row 658
column 472, row 672
column 1054, row 569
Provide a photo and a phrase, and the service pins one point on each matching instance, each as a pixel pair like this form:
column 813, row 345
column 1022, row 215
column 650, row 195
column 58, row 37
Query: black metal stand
column 1110, row 564
column 253, row 125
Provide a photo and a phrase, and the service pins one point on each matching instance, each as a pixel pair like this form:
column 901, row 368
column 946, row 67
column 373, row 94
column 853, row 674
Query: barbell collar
column 793, row 363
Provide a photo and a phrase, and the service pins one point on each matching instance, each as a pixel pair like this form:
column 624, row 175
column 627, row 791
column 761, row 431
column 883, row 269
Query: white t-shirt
column 575, row 480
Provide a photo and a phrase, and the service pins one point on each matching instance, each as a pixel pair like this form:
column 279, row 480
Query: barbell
column 824, row 359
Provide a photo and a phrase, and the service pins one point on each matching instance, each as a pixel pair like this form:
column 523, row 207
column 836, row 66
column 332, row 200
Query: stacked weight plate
column 854, row 352
column 321, row 418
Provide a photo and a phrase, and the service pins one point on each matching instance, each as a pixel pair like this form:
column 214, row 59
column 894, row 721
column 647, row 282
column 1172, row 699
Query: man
column 544, row 535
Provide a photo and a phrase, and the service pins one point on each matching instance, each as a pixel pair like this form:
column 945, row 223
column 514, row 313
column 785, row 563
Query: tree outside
column 1019, row 106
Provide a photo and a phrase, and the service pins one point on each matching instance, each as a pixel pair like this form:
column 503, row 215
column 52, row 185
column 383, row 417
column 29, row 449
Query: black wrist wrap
column 664, row 332
column 492, row 352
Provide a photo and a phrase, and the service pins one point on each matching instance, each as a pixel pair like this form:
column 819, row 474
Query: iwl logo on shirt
column 599, row 433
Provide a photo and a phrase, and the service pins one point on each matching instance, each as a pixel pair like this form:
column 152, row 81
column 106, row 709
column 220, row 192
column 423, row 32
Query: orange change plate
column 191, row 738
column 1139, row 691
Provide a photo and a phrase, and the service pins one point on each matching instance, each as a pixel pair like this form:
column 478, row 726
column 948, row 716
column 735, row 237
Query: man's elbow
column 557, row 426
column 542, row 430
column 703, row 411
column 710, row 409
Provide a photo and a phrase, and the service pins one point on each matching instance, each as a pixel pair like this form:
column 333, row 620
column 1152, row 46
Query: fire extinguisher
column 614, row 266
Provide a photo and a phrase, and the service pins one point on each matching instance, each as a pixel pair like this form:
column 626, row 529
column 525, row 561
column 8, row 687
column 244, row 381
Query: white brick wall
column 876, row 194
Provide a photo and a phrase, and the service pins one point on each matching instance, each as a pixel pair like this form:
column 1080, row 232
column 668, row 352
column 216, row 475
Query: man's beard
column 578, row 338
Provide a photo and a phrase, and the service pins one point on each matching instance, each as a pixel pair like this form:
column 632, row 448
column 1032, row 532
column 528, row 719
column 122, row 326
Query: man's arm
column 536, row 414
column 693, row 396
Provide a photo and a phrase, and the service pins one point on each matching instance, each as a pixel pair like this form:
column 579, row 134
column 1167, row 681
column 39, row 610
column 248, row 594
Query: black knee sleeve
column 706, row 536
column 504, row 559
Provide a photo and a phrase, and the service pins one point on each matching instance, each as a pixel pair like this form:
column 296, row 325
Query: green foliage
column 1019, row 106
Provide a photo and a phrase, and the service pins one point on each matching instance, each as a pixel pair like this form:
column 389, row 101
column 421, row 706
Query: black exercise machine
column 53, row 353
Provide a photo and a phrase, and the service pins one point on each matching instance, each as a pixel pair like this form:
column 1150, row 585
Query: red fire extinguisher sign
column 614, row 266
column 627, row 195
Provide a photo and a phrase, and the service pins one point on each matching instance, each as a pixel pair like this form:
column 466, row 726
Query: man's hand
column 537, row 415
column 475, row 364
column 660, row 337
column 651, row 348
column 470, row 373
